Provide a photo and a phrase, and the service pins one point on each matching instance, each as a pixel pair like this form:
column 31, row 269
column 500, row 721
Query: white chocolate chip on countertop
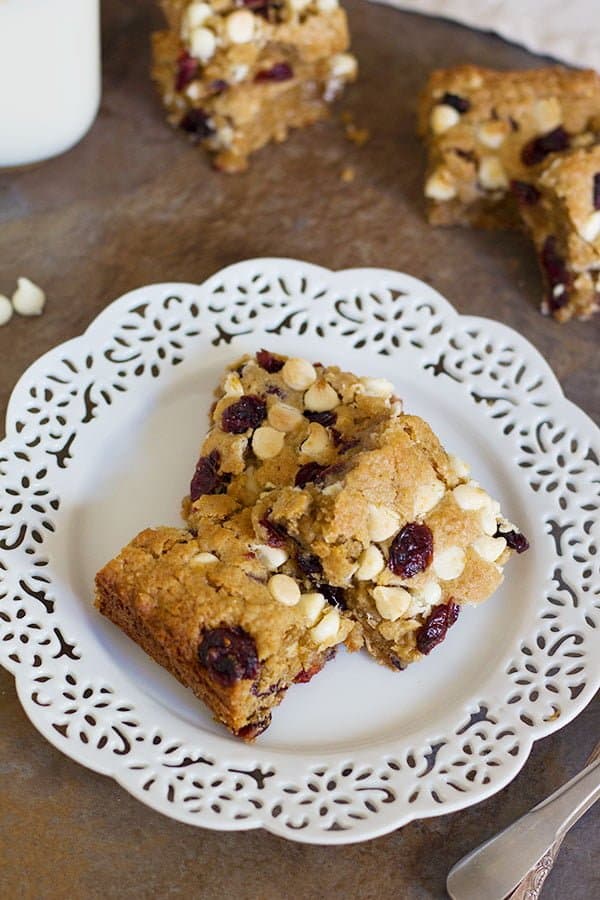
column 449, row 564
column 370, row 563
column 470, row 496
column 321, row 397
column 311, row 606
column 440, row 186
column 284, row 589
column 391, row 602
column 6, row 310
column 298, row 374
column 239, row 26
column 28, row 299
column 271, row 557
column 284, row 417
column 443, row 117
column 267, row 442
column 489, row 548
column 325, row 633
column 382, row 522
column 492, row 174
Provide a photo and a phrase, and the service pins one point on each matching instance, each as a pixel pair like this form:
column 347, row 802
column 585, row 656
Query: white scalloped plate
column 102, row 435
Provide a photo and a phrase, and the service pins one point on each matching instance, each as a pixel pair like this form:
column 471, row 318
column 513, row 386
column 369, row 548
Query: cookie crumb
column 358, row 136
column 347, row 175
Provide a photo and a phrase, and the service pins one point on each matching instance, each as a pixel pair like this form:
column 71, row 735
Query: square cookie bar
column 561, row 209
column 402, row 533
column 485, row 128
column 210, row 610
column 235, row 74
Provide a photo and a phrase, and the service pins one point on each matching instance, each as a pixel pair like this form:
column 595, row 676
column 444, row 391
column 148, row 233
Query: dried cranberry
column 334, row 595
column 218, row 86
column 269, row 362
column 253, row 729
column 436, row 627
column 277, row 391
column 229, row 654
column 187, row 69
column 312, row 471
column 309, row 564
column 596, row 191
column 514, row 539
column 467, row 155
column 556, row 272
column 526, row 193
column 460, row 104
column 259, row 6
column 247, row 412
column 277, row 536
column 206, row 478
column 397, row 663
column 329, row 417
column 197, row 123
column 281, row 71
column 539, row 148
column 306, row 675
column 411, row 550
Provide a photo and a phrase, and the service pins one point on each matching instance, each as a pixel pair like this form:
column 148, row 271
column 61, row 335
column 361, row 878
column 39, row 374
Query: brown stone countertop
column 135, row 204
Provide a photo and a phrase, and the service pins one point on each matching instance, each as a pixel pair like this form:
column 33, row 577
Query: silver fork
column 495, row 868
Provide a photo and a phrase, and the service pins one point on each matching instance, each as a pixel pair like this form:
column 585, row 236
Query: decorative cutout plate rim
column 333, row 796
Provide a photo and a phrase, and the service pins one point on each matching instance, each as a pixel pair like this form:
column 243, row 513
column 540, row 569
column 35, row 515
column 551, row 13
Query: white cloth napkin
column 568, row 30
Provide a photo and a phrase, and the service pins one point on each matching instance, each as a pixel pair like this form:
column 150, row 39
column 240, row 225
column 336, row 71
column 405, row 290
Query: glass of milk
column 49, row 76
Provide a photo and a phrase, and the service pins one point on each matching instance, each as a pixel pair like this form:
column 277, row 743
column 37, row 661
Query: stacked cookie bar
column 318, row 513
column 498, row 143
column 235, row 74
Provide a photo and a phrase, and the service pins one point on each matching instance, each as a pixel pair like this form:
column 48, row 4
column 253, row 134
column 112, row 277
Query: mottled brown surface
column 134, row 204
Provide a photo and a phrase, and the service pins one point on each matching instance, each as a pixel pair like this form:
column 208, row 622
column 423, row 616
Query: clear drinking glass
column 49, row 76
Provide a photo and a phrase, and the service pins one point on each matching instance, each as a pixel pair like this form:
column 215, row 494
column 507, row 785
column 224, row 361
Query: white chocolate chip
column 299, row 5
column 239, row 26
column 489, row 548
column 343, row 65
column 28, row 299
column 271, row 557
column 327, row 5
column 449, row 564
column 194, row 90
column 326, row 631
column 239, row 72
column 429, row 593
column 6, row 310
column 267, row 442
column 233, row 385
column 440, row 186
column 317, row 443
column 298, row 374
column 203, row 43
column 377, row 387
column 492, row 134
column 427, row 496
column 470, row 496
column 458, row 466
column 284, row 417
column 391, row 602
column 488, row 520
column 203, row 559
column 492, row 175
column 332, row 489
column 195, row 15
column 443, row 117
column 547, row 114
column 321, row 397
column 382, row 522
column 590, row 229
column 311, row 606
column 370, row 564
column 284, row 589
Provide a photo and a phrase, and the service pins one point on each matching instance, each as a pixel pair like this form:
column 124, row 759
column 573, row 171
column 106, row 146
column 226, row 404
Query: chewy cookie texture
column 486, row 128
column 236, row 74
column 362, row 499
column 209, row 609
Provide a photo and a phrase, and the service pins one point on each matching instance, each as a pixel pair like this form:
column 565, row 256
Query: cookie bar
column 401, row 531
column 236, row 74
column 485, row 128
column 211, row 611
column 561, row 209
